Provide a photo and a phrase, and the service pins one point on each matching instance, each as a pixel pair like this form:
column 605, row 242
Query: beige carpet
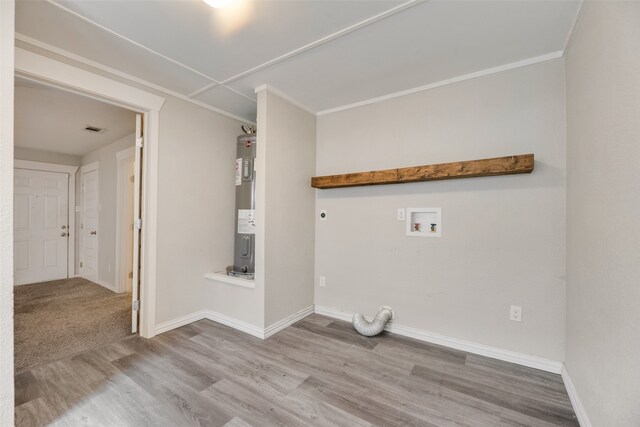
column 63, row 317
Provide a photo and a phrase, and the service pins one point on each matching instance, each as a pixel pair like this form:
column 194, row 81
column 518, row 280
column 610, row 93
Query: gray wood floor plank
column 256, row 409
column 35, row 413
column 181, row 367
column 356, row 402
column 337, row 334
column 189, row 407
column 26, row 388
column 242, row 362
column 237, row 422
column 504, row 397
column 318, row 373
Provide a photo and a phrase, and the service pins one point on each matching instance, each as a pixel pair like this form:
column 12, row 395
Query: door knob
column 64, row 234
column 93, row 232
column 64, row 227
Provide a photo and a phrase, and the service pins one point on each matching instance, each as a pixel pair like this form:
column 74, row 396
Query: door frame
column 121, row 157
column 89, row 167
column 40, row 68
column 71, row 189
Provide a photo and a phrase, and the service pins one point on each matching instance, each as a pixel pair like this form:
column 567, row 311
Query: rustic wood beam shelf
column 508, row 165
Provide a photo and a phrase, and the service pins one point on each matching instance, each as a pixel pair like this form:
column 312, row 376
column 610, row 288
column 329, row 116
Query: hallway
column 63, row 317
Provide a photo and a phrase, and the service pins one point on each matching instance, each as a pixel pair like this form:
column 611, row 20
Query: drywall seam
column 526, row 62
column 573, row 26
column 578, row 408
column 326, row 39
column 89, row 21
column 106, row 69
column 527, row 360
column 284, row 96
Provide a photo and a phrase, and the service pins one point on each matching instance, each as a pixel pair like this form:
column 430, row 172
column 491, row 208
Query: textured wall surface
column 290, row 201
column 603, row 201
column 107, row 196
column 503, row 238
column 6, row 212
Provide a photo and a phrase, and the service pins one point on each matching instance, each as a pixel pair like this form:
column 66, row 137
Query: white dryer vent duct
column 373, row 328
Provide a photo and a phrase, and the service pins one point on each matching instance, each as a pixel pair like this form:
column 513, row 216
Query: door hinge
column 137, row 223
column 135, row 306
column 131, row 178
column 131, row 275
column 80, row 264
column 140, row 142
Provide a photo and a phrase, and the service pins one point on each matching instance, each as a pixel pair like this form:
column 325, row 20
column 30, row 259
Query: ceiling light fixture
column 218, row 4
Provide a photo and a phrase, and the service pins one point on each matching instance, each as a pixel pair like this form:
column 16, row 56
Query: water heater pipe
column 373, row 328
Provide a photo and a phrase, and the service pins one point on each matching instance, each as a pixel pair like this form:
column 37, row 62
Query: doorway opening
column 71, row 200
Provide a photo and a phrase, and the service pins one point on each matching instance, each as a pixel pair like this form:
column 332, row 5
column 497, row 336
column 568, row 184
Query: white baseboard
column 234, row 323
column 180, row 321
column 106, row 285
column 288, row 321
column 468, row 346
column 581, row 414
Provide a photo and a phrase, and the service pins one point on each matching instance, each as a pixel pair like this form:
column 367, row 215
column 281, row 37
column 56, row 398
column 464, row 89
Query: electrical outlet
column 400, row 214
column 322, row 281
column 516, row 313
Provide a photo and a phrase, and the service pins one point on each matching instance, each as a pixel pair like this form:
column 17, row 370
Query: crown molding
column 530, row 61
column 81, row 59
column 284, row 96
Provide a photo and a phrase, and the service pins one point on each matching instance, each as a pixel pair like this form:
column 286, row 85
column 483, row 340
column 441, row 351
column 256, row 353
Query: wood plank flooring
column 317, row 372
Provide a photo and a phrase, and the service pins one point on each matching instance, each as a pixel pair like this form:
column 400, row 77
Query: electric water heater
column 244, row 244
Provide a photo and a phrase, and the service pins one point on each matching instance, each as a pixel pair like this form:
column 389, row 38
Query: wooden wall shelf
column 508, row 165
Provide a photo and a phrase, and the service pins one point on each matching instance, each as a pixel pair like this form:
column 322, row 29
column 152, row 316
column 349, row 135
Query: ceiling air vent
column 94, row 129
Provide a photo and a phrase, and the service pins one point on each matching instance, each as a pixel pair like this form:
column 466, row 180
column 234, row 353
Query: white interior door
column 41, row 226
column 89, row 224
column 137, row 230
column 128, row 220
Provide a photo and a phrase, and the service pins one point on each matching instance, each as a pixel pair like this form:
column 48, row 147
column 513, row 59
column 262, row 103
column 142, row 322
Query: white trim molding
column 578, row 408
column 213, row 316
column 481, row 73
column 113, row 71
column 245, row 327
column 47, row 70
column 287, row 321
column 89, row 167
column 71, row 199
column 121, row 157
column 458, row 344
column 222, row 277
column 180, row 321
column 284, row 96
column 47, row 167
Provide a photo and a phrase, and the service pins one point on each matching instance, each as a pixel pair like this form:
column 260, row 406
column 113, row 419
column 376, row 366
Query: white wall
column 195, row 210
column 7, row 8
column 195, row 203
column 33, row 155
column 289, row 139
column 503, row 238
column 603, row 201
column 107, row 195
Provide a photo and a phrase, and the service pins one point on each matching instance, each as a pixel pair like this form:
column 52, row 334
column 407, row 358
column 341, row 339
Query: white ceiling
column 323, row 54
column 51, row 119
